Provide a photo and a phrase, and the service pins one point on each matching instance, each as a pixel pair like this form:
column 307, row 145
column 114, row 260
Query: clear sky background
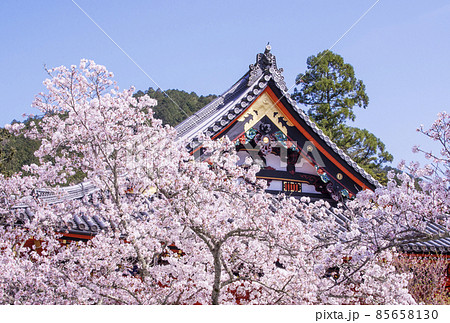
column 400, row 49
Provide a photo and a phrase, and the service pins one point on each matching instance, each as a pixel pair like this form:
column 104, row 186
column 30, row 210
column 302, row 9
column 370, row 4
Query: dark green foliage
column 331, row 91
column 6, row 152
column 18, row 151
column 397, row 171
column 365, row 149
column 174, row 105
column 21, row 151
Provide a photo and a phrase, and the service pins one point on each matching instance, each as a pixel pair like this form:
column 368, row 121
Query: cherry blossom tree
column 186, row 231
column 153, row 195
column 399, row 213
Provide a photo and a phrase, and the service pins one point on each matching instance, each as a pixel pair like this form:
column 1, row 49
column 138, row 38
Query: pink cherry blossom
column 182, row 230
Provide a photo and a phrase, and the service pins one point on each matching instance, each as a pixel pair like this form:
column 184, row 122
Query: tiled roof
column 90, row 225
column 85, row 224
column 215, row 116
column 51, row 196
column 439, row 245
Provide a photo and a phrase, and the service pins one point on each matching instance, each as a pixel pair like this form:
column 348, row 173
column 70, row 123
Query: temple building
column 296, row 157
column 259, row 116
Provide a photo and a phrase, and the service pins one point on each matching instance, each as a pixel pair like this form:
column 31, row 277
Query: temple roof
column 88, row 225
column 218, row 114
column 211, row 120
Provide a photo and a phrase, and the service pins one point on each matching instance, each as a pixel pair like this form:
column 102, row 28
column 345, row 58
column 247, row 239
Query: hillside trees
column 17, row 150
column 331, row 91
column 233, row 242
column 174, row 105
column 5, row 154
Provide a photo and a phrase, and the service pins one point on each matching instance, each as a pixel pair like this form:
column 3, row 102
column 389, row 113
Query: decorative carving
column 264, row 106
column 285, row 142
column 255, row 73
column 264, row 128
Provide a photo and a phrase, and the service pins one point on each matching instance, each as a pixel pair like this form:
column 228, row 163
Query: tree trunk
column 217, row 273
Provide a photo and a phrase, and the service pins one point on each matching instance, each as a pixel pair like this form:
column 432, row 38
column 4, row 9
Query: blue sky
column 400, row 49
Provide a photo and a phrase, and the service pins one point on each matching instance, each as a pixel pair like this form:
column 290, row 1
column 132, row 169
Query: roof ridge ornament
column 268, row 57
column 265, row 63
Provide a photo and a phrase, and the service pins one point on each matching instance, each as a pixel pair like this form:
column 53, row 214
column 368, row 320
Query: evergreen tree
column 331, row 91
column 365, row 149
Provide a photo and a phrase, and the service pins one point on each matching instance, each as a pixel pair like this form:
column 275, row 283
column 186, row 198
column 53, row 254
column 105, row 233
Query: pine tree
column 331, row 91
